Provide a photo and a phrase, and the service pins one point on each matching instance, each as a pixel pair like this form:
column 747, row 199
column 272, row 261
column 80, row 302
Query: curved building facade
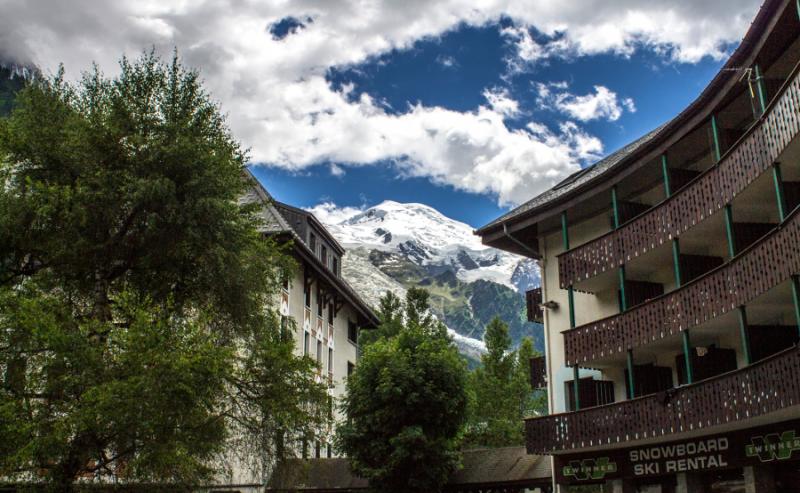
column 670, row 292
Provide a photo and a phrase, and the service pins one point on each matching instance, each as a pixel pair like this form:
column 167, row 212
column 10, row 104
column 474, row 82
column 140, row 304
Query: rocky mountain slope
column 395, row 246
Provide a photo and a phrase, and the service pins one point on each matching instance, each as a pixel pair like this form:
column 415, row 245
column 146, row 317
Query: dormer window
column 335, row 265
column 324, row 255
column 312, row 242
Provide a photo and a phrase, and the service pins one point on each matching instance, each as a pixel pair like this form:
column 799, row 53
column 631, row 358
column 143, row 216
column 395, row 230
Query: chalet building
column 327, row 312
column 670, row 293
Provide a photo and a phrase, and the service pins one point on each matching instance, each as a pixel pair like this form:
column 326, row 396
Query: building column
column 759, row 479
column 689, row 483
column 687, row 357
column 571, row 302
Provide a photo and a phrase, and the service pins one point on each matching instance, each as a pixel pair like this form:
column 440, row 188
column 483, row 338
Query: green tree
column 501, row 390
column 134, row 288
column 406, row 406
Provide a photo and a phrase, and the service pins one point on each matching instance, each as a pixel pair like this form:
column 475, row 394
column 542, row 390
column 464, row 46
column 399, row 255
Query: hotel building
column 670, row 294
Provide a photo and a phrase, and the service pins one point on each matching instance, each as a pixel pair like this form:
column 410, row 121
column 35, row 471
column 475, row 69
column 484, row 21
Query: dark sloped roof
column 628, row 155
column 282, row 207
column 576, row 180
column 314, row 474
column 274, row 223
column 495, row 465
column 480, row 466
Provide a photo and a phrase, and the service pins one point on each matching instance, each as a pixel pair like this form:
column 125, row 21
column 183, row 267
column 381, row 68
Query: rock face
column 393, row 246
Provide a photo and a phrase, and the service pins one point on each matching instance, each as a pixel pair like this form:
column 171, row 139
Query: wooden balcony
column 706, row 194
column 756, row 390
column 754, row 271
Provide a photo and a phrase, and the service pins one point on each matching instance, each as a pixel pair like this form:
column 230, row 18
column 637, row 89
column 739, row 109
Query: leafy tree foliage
column 135, row 333
column 501, row 391
column 406, row 402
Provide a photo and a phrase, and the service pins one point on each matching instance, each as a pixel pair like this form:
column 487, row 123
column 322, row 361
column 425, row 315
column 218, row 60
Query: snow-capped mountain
column 429, row 239
column 392, row 246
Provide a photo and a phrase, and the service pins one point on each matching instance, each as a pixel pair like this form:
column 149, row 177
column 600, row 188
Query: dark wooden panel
column 766, row 340
column 539, row 372
column 710, row 192
column 745, row 234
column 533, row 301
column 592, row 392
column 715, row 361
column 694, row 266
column 756, row 390
column 679, row 178
column 791, row 192
column 649, row 379
column 763, row 266
column 638, row 292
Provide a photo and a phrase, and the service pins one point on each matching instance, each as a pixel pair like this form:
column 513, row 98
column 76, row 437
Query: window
column 331, row 313
column 335, row 265
column 324, row 255
column 330, row 451
column 330, row 360
column 312, row 242
column 350, row 368
column 306, row 339
column 307, row 295
column 286, row 283
column 319, row 303
column 318, row 450
column 319, row 352
column 352, row 332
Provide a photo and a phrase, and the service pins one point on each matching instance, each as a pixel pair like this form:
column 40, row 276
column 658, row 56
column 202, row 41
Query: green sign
column 590, row 469
column 773, row 446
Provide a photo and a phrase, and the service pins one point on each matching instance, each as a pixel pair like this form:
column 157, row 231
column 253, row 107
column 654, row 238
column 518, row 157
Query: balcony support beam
column 631, row 378
column 665, row 172
column 777, row 179
column 729, row 230
column 795, row 280
column 676, row 261
column 744, row 335
column 687, row 358
column 571, row 302
column 576, row 386
column 715, row 133
column 762, row 92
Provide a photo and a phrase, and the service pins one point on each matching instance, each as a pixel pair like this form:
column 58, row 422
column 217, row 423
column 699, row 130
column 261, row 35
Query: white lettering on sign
column 681, row 457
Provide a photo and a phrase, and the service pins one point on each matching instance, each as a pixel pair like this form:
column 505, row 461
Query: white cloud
column 603, row 103
column 280, row 105
column 329, row 213
column 501, row 102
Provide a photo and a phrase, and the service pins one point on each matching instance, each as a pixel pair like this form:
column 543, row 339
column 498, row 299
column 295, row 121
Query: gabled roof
column 274, row 223
column 282, row 207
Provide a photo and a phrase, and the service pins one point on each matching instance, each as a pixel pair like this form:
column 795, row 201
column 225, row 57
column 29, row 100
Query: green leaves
column 406, row 404
column 136, row 334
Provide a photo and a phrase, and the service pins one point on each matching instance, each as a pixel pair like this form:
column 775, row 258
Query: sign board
column 776, row 442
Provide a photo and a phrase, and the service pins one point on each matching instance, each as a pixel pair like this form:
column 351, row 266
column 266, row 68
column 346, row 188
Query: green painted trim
column 571, row 303
column 615, row 206
column 631, row 379
column 623, row 300
column 762, row 92
column 797, row 4
column 676, row 261
column 687, row 360
column 744, row 335
column 665, row 171
column 575, row 390
column 796, row 299
column 564, row 232
column 715, row 132
column 777, row 180
column 729, row 230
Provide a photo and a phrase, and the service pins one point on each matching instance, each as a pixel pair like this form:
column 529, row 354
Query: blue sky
column 470, row 107
column 453, row 72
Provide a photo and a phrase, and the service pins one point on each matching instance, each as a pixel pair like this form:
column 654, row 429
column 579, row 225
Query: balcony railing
column 756, row 390
column 762, row 266
column 753, row 154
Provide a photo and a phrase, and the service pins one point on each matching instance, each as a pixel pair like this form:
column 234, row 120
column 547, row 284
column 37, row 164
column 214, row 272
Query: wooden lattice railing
column 756, row 390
